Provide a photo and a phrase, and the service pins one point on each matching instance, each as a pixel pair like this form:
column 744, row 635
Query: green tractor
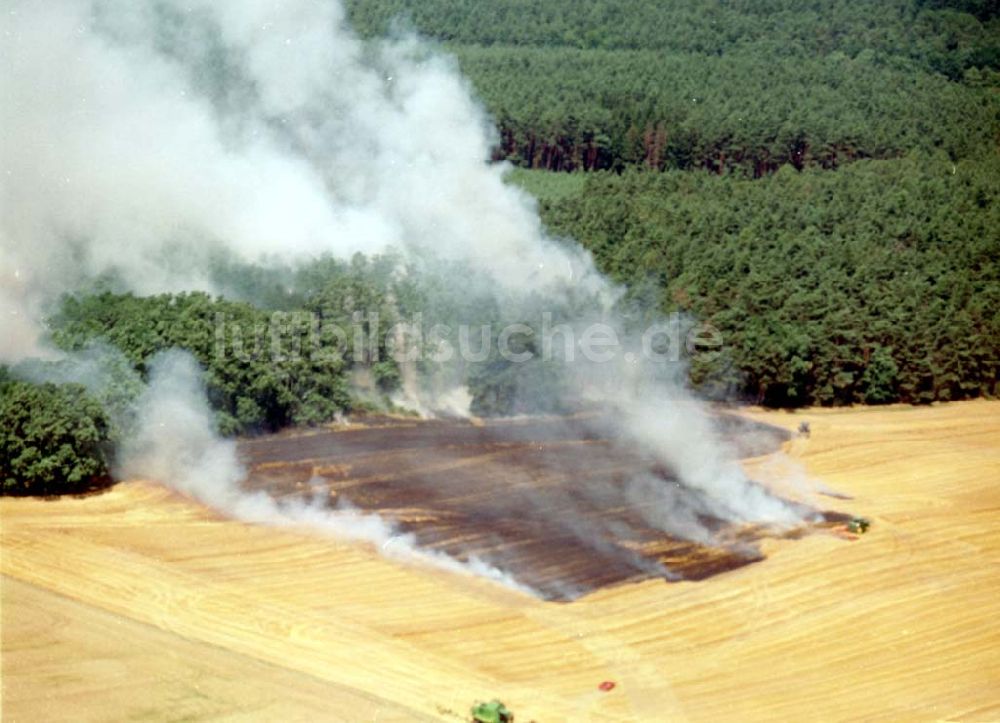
column 858, row 525
column 492, row 712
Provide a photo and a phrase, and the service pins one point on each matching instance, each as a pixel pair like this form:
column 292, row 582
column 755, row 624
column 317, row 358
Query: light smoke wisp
column 174, row 442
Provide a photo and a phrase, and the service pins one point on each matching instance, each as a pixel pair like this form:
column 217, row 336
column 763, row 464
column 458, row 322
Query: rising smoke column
column 139, row 137
column 142, row 137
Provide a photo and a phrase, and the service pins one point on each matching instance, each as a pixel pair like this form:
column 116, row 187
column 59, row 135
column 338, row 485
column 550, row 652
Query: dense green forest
column 745, row 86
column 261, row 372
column 270, row 364
column 879, row 282
column 927, row 31
column 54, row 438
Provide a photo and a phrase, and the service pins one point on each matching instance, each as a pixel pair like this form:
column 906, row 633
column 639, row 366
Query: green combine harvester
column 858, row 526
column 492, row 712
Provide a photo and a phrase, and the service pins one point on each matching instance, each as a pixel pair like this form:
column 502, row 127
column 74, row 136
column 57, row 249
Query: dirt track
column 138, row 605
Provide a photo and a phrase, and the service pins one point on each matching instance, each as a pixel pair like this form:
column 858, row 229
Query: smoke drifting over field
column 141, row 138
column 174, row 441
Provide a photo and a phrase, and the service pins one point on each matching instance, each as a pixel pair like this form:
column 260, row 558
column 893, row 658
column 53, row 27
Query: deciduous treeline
column 54, row 439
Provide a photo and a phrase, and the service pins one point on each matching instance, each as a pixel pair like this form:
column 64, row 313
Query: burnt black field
column 544, row 499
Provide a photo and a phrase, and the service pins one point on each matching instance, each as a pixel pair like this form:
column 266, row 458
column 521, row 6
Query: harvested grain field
column 138, row 604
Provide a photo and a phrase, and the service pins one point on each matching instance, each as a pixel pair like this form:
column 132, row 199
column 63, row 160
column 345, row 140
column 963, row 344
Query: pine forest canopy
column 742, row 86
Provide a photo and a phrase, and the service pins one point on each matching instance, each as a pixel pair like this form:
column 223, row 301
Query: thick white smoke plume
column 140, row 138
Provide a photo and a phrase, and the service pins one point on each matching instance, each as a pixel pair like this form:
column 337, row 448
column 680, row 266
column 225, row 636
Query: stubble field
column 139, row 604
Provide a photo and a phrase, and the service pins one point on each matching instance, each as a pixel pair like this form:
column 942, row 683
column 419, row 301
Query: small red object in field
column 607, row 685
column 845, row 534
